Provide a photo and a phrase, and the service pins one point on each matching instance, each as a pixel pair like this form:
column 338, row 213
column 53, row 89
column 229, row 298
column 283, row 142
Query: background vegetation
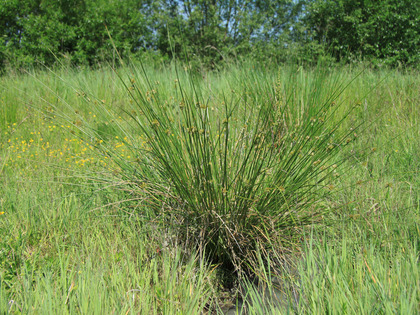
column 37, row 32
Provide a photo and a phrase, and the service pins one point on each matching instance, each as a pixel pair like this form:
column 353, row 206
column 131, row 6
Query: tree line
column 211, row 31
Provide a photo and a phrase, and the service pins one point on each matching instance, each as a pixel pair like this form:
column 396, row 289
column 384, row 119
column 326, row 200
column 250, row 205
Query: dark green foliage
column 381, row 31
column 76, row 30
column 208, row 31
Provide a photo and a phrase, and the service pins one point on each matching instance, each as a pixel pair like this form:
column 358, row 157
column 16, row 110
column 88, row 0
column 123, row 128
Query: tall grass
column 70, row 244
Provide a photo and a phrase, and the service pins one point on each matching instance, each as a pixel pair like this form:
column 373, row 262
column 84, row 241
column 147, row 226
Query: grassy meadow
column 161, row 190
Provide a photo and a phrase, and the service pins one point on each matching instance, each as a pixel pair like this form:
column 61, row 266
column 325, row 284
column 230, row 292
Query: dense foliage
column 44, row 31
column 379, row 30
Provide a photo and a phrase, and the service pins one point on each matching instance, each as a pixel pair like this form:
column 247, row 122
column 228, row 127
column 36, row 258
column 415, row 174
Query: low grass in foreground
column 81, row 235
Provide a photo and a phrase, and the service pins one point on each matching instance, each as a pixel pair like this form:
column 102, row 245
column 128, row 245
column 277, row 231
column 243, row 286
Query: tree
column 386, row 30
column 39, row 31
column 216, row 29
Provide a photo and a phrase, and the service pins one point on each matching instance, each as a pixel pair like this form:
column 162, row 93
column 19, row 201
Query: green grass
column 76, row 238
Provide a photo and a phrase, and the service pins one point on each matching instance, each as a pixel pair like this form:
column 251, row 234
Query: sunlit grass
column 70, row 245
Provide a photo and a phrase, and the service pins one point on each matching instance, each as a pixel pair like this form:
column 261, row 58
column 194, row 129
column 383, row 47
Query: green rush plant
column 230, row 169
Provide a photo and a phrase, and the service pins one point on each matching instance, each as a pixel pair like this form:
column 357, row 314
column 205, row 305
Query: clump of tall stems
column 235, row 166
